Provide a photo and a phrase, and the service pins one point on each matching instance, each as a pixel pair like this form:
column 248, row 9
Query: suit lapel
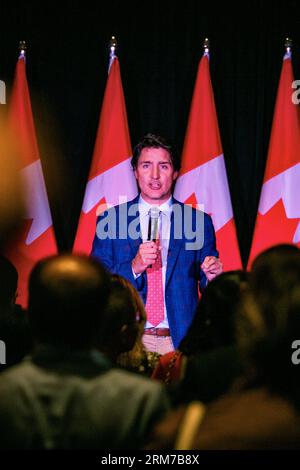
column 174, row 246
column 133, row 224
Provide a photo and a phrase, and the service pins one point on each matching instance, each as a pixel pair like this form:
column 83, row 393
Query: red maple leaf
column 227, row 243
column 192, row 200
column 272, row 228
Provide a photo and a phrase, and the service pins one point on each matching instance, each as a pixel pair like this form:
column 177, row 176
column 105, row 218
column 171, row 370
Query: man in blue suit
column 187, row 243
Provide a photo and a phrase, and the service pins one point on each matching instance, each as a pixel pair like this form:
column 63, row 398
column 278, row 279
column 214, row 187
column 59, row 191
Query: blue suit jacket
column 117, row 241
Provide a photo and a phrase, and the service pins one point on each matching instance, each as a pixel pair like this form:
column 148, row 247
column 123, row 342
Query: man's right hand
column 145, row 256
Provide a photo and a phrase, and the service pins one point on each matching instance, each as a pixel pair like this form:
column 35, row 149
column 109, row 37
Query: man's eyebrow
column 161, row 162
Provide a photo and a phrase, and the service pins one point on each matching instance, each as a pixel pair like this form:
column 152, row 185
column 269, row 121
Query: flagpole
column 111, row 179
column 202, row 163
column 36, row 238
column 22, row 49
column 277, row 219
column 112, row 49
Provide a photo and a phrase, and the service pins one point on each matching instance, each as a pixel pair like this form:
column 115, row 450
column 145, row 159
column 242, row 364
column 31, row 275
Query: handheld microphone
column 153, row 223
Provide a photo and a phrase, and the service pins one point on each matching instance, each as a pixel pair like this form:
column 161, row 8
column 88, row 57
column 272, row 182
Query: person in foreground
column 263, row 409
column 164, row 248
column 67, row 395
column 207, row 361
column 136, row 359
column 15, row 330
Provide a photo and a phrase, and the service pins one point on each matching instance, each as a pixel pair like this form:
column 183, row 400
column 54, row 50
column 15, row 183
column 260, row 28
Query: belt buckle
column 157, row 331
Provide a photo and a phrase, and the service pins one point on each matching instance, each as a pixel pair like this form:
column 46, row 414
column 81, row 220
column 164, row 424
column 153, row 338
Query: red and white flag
column 111, row 179
column 36, row 238
column 278, row 218
column 202, row 179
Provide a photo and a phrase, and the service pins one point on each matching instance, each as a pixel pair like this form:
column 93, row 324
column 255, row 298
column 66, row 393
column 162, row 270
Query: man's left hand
column 211, row 267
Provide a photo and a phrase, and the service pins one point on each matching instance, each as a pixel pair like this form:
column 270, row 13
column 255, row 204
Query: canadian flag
column 111, row 179
column 202, row 179
column 278, row 218
column 36, row 238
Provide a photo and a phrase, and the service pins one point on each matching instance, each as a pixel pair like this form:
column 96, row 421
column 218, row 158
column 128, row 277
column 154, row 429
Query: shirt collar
column 144, row 206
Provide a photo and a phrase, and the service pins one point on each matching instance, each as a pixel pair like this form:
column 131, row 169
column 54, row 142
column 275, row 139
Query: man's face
column 155, row 175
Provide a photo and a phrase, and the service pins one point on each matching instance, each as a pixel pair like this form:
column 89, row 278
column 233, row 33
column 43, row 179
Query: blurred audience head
column 137, row 358
column 67, row 297
column 14, row 327
column 138, row 303
column 119, row 324
column 214, row 322
column 269, row 319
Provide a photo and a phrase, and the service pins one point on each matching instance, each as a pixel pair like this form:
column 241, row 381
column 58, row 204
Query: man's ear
column 175, row 174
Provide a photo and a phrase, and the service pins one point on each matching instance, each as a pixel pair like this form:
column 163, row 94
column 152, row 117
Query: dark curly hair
column 155, row 141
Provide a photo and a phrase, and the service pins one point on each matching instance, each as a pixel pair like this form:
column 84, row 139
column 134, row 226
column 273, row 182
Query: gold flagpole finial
column 206, row 45
column 113, row 43
column 288, row 45
column 22, row 48
column 112, row 49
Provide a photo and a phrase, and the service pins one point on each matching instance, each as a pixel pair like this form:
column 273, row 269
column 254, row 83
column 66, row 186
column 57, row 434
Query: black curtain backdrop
column 160, row 45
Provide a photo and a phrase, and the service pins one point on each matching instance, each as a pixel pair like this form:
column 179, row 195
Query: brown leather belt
column 157, row 331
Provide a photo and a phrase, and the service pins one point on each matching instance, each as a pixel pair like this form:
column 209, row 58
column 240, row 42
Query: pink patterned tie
column 155, row 295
